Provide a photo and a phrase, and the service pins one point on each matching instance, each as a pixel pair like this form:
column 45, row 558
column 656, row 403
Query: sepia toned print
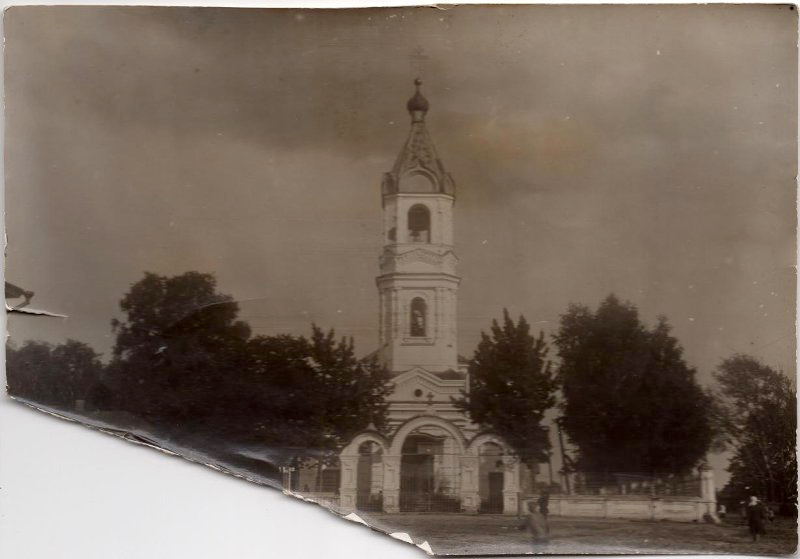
column 494, row 280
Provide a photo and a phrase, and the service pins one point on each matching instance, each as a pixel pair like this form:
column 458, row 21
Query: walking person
column 755, row 517
column 544, row 508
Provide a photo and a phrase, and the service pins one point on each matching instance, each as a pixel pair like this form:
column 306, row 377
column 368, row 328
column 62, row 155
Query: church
column 433, row 458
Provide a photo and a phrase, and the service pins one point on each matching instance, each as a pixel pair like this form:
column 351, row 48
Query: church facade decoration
column 433, row 458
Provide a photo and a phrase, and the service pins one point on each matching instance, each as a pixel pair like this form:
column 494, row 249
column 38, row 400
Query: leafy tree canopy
column 314, row 393
column 53, row 375
column 759, row 410
column 631, row 404
column 511, row 386
column 184, row 362
column 176, row 349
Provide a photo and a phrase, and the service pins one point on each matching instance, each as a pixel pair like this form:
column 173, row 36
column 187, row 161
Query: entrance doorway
column 495, row 501
column 428, row 473
column 491, row 472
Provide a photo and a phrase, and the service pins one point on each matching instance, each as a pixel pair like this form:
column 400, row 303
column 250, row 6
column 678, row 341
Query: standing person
column 544, row 508
column 755, row 517
column 534, row 523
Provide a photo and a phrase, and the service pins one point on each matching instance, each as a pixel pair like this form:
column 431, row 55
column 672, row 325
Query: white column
column 440, row 312
column 391, row 483
column 348, row 483
column 707, row 490
column 510, row 485
column 708, row 493
column 395, row 314
column 381, row 326
column 470, row 499
column 452, row 314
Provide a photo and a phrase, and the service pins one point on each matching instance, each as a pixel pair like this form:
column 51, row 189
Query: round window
column 418, row 393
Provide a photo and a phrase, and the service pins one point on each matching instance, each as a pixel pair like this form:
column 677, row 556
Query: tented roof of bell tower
column 418, row 168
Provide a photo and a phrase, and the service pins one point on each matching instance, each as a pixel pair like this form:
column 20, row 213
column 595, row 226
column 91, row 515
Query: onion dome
column 418, row 103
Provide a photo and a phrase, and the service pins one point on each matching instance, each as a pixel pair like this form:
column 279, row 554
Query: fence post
column 469, row 468
column 708, row 493
column 391, row 483
column 511, row 485
column 348, row 483
column 707, row 489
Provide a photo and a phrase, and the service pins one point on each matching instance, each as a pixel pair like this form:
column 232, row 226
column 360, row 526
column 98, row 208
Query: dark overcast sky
column 648, row 151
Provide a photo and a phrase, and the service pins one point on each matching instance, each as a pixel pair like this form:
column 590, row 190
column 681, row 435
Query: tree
column 631, row 404
column 177, row 348
column 511, row 386
column 53, row 375
column 185, row 363
column 313, row 394
column 759, row 410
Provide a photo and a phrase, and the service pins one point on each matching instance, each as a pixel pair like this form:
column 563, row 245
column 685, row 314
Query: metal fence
column 635, row 484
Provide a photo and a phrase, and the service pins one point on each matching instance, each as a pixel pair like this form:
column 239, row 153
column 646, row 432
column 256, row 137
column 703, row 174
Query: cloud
column 634, row 149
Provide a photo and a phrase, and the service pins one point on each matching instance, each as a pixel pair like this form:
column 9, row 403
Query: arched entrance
column 369, row 477
column 429, row 472
column 491, row 470
column 362, row 474
column 428, row 466
column 497, row 483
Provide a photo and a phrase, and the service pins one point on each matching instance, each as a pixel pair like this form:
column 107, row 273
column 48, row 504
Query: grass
column 460, row 534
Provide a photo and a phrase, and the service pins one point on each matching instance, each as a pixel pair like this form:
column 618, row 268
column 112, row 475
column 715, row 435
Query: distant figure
column 756, row 513
column 535, row 524
column 721, row 511
column 544, row 508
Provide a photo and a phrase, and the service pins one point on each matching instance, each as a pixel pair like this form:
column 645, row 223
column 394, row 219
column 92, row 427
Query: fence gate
column 428, row 475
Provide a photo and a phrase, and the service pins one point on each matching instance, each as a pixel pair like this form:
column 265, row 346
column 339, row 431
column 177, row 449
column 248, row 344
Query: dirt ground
column 460, row 534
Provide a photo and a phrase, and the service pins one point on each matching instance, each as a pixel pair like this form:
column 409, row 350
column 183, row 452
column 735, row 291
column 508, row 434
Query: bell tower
column 418, row 282
column 431, row 446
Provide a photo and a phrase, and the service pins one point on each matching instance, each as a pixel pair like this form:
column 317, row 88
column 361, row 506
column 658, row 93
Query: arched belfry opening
column 419, row 318
column 419, row 224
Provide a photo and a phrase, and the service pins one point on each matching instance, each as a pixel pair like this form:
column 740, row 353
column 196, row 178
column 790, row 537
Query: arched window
column 419, row 318
column 419, row 224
